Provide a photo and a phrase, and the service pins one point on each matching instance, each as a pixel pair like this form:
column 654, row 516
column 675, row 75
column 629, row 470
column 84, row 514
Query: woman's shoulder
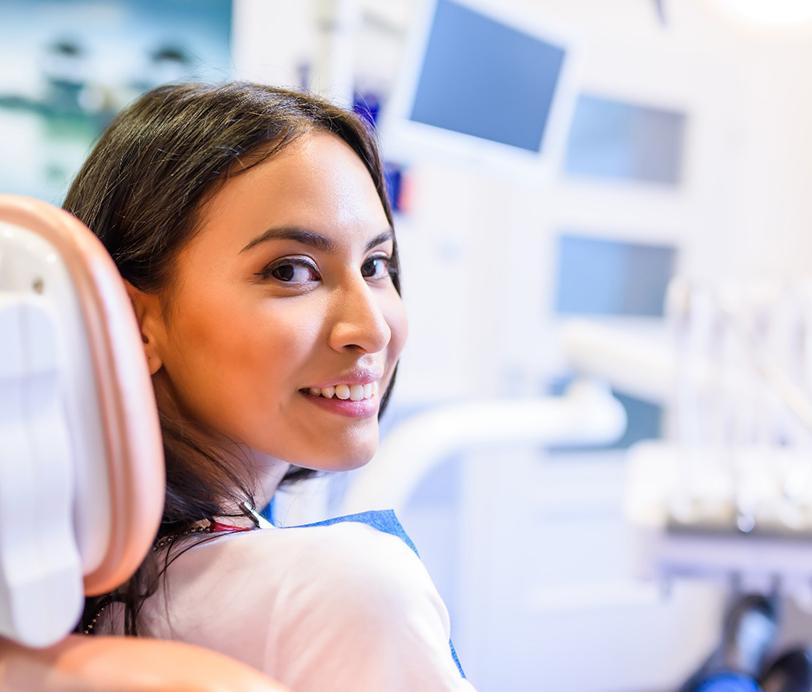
column 337, row 558
column 302, row 579
column 308, row 605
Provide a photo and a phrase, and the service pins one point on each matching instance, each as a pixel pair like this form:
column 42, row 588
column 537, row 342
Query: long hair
column 140, row 192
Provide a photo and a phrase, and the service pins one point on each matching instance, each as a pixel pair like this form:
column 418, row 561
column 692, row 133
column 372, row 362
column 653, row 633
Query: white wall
column 742, row 210
column 478, row 277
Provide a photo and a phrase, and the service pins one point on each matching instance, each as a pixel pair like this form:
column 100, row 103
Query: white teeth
column 355, row 392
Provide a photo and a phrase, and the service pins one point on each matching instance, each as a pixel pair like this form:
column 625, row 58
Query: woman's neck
column 269, row 473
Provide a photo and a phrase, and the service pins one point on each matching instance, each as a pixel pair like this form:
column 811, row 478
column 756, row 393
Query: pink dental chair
column 81, row 467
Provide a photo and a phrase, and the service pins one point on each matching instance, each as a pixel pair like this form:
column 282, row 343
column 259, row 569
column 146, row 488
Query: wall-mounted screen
column 483, row 78
column 478, row 84
column 601, row 276
column 625, row 141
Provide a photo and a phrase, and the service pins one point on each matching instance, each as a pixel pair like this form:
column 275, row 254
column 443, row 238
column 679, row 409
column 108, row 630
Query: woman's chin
column 322, row 460
column 343, row 464
column 357, row 463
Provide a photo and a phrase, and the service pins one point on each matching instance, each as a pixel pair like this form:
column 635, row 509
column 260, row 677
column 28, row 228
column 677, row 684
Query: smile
column 346, row 392
column 363, row 407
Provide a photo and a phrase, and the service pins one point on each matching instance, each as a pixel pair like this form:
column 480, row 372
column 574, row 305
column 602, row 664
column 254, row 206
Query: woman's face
column 285, row 288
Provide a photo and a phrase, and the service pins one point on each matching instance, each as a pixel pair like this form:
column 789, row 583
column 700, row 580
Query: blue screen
column 480, row 77
column 615, row 139
column 608, row 277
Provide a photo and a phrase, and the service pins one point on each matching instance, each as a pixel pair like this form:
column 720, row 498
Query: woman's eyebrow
column 379, row 239
column 306, row 237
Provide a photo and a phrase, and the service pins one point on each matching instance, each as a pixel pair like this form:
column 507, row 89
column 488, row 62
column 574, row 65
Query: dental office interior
column 599, row 439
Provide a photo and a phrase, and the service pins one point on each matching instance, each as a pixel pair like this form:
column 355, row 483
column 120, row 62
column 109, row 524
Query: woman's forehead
column 317, row 183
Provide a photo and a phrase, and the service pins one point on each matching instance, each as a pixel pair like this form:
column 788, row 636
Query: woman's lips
column 364, row 408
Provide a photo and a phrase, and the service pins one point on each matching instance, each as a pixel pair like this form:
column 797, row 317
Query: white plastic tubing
column 587, row 414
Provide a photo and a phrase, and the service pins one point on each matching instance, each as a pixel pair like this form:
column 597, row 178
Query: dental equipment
column 587, row 414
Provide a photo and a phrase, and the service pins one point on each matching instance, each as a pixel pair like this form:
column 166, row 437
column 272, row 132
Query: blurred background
column 600, row 430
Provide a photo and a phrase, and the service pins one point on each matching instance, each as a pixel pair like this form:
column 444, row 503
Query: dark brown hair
column 140, row 192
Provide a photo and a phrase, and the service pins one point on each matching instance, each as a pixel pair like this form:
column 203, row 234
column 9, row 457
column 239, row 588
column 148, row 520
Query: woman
column 252, row 230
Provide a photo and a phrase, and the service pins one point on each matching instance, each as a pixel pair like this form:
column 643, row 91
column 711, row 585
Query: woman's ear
column 147, row 310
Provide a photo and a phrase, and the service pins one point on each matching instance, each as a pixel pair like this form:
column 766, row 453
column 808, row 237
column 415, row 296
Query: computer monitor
column 607, row 277
column 478, row 86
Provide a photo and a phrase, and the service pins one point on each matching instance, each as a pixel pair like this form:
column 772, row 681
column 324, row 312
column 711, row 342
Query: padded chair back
column 81, row 462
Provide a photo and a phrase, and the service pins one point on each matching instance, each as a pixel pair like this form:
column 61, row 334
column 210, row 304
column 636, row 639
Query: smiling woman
column 271, row 314
column 252, row 230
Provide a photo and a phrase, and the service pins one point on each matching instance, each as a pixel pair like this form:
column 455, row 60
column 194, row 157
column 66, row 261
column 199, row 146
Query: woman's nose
column 359, row 321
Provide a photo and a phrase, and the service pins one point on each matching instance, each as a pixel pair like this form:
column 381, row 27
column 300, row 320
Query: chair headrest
column 81, row 462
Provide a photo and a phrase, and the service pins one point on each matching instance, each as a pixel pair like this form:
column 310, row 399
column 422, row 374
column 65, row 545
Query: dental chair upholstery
column 81, row 466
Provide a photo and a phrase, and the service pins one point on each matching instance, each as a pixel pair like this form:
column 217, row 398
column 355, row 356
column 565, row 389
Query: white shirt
column 343, row 607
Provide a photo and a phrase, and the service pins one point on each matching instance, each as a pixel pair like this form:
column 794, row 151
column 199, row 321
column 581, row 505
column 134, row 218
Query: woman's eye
column 291, row 272
column 379, row 267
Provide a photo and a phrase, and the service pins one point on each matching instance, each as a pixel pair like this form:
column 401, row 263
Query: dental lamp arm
column 586, row 414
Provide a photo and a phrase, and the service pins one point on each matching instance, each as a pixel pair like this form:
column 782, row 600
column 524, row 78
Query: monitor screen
column 598, row 276
column 625, row 141
column 483, row 78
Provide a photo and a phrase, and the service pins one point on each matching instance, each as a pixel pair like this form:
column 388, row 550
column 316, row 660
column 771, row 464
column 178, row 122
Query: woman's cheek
column 282, row 345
